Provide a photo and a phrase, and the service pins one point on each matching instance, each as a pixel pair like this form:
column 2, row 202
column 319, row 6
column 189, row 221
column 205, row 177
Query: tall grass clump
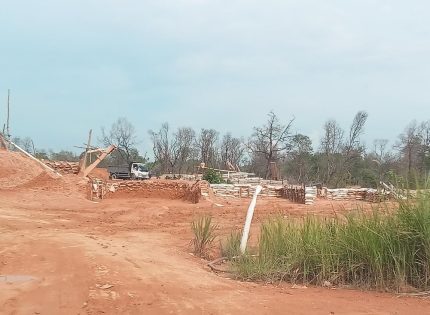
column 230, row 248
column 204, row 235
column 380, row 249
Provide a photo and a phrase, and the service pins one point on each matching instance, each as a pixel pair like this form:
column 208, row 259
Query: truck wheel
column 113, row 176
column 133, row 177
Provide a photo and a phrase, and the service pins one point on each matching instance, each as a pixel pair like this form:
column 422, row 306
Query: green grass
column 204, row 235
column 378, row 250
column 230, row 248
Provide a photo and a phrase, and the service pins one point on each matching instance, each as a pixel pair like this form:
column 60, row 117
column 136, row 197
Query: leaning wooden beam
column 220, row 170
column 83, row 161
column 96, row 151
column 88, row 146
column 100, row 158
column 35, row 159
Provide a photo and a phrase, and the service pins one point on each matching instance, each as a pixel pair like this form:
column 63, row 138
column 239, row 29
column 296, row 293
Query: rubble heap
column 63, row 167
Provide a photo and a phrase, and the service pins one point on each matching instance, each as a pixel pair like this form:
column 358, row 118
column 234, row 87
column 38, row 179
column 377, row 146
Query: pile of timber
column 235, row 176
column 180, row 176
column 300, row 194
column 310, row 195
column 245, row 190
column 255, row 181
column 366, row 194
column 63, row 167
column 294, row 193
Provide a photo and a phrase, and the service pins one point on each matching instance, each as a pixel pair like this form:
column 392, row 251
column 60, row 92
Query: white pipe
column 35, row 159
column 248, row 220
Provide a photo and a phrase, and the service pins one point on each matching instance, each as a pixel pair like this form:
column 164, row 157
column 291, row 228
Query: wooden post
column 83, row 162
column 8, row 115
column 100, row 158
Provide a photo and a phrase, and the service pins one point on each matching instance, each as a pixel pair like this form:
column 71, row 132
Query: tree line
column 339, row 159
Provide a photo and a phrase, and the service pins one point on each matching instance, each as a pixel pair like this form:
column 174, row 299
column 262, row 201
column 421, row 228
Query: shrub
column 204, row 235
column 213, row 177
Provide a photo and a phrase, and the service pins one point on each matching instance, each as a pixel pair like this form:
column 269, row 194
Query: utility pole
column 8, row 115
column 83, row 162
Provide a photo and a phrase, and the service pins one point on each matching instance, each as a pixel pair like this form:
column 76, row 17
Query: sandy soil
column 63, row 254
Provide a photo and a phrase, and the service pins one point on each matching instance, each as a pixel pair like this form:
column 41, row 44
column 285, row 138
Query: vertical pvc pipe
column 248, row 220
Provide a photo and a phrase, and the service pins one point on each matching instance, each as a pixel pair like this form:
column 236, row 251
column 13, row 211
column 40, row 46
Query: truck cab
column 139, row 171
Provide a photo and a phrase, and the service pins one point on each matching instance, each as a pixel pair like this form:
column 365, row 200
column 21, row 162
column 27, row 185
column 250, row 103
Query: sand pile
column 18, row 172
column 17, row 169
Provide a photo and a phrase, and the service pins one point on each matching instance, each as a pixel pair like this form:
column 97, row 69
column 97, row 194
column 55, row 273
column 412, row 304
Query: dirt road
column 63, row 254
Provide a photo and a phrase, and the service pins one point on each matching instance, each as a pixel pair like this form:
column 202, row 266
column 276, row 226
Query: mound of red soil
column 18, row 172
column 100, row 173
column 68, row 184
column 16, row 169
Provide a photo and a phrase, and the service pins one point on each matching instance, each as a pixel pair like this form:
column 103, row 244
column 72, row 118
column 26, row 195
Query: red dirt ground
column 131, row 256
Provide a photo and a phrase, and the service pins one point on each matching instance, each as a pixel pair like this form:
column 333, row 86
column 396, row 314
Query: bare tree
column 300, row 153
column 381, row 153
column 409, row 145
column 184, row 139
column 424, row 154
column 172, row 151
column 25, row 143
column 122, row 134
column 207, row 146
column 355, row 131
column 340, row 153
column 353, row 148
column 271, row 141
column 162, row 147
column 232, row 150
column 331, row 147
column 381, row 157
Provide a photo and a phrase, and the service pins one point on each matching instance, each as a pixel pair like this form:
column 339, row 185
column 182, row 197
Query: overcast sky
column 76, row 65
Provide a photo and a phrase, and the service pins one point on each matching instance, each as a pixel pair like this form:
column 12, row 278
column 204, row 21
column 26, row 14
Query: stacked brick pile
column 63, row 167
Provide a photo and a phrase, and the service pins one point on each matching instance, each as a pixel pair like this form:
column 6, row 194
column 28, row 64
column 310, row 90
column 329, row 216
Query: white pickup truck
column 133, row 171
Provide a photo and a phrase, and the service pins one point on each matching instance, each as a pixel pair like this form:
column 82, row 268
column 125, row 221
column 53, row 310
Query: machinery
column 133, row 171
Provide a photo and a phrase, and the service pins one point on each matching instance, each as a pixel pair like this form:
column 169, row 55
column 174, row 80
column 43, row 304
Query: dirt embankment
column 20, row 173
column 16, row 169
column 164, row 189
